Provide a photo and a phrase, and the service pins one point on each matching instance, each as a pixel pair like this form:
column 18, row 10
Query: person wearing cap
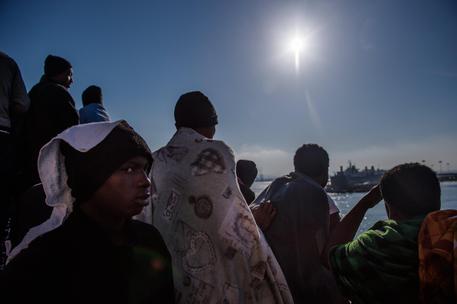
column 95, row 177
column 93, row 109
column 52, row 110
column 219, row 254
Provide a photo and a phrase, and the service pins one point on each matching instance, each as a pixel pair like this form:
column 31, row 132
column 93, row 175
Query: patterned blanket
column 438, row 257
column 219, row 255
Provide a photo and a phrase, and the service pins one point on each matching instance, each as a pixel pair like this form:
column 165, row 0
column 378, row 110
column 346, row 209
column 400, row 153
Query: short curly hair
column 311, row 159
column 411, row 188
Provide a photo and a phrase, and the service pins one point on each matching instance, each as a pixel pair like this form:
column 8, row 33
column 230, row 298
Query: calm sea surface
column 345, row 201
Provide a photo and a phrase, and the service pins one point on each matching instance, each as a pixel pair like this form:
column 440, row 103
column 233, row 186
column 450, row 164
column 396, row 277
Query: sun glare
column 296, row 44
column 298, row 47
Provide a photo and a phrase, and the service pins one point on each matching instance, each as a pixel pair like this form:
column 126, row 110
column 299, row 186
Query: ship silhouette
column 352, row 179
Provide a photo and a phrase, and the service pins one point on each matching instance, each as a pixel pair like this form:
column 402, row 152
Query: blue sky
column 377, row 82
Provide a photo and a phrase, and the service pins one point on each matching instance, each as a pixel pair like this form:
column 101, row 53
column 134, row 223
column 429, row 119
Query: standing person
column 14, row 102
column 246, row 171
column 219, row 255
column 52, row 110
column 381, row 265
column 93, row 109
column 300, row 230
column 90, row 250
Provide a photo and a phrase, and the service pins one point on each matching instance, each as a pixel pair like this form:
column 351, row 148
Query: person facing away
column 219, row 254
column 14, row 102
column 90, row 250
column 93, row 109
column 300, row 230
column 381, row 264
column 246, row 171
column 52, row 110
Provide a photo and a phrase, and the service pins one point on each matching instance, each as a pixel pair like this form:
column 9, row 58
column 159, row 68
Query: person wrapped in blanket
column 95, row 177
column 381, row 264
column 219, row 253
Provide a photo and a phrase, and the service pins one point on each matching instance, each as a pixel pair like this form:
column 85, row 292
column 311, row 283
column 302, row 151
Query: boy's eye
column 128, row 169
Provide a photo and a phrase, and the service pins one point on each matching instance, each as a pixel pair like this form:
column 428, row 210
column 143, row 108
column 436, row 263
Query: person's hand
column 373, row 197
column 264, row 214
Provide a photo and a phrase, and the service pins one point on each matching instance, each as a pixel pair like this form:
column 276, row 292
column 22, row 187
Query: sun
column 298, row 45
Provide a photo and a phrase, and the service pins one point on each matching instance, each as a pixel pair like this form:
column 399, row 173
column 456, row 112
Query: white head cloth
column 219, row 255
column 53, row 175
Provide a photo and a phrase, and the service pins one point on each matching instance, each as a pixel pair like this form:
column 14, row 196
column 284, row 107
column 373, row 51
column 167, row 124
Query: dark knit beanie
column 88, row 171
column 246, row 170
column 194, row 110
column 54, row 65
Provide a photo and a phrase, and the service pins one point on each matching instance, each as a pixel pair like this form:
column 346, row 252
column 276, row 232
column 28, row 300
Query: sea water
column 345, row 202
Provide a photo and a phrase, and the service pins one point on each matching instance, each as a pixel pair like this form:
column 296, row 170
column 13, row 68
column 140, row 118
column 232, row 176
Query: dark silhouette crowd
column 88, row 214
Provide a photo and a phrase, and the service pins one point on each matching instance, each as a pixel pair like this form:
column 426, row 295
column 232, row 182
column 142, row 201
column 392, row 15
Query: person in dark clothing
column 29, row 211
column 299, row 232
column 52, row 110
column 98, row 254
column 246, row 172
column 13, row 104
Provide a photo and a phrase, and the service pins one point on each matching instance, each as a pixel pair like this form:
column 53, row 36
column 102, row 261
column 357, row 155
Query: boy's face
column 126, row 192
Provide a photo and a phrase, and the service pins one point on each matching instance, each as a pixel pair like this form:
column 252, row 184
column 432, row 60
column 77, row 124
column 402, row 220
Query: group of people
column 113, row 222
column 29, row 121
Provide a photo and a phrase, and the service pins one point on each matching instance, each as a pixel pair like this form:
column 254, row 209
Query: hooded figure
column 219, row 254
column 95, row 177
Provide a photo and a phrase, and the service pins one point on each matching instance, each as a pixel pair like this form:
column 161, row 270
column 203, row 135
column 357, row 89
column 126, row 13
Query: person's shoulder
column 61, row 235
column 218, row 147
column 36, row 89
column 47, row 246
column 142, row 227
column 307, row 187
column 147, row 234
column 99, row 106
column 7, row 62
column 218, row 144
column 57, row 89
column 367, row 238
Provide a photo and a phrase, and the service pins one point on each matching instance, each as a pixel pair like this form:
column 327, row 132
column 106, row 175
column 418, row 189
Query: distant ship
column 354, row 180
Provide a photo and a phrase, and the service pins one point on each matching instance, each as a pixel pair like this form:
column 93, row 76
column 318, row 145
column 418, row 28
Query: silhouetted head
column 312, row 160
column 93, row 94
column 194, row 110
column 246, row 170
column 411, row 190
column 59, row 70
column 119, row 165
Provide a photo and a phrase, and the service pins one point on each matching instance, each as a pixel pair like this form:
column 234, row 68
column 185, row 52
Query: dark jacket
column 298, row 235
column 78, row 263
column 52, row 110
